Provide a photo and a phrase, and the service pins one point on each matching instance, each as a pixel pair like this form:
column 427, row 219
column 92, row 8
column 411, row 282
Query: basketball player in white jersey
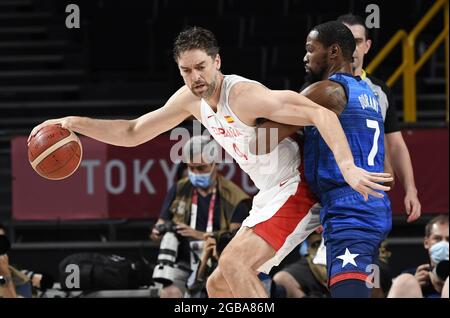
column 229, row 106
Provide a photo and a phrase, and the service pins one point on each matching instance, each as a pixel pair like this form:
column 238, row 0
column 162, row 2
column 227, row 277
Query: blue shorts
column 351, row 259
column 353, row 232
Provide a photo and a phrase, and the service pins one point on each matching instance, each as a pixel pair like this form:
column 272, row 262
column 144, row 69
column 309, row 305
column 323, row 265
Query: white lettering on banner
column 115, row 181
column 142, row 177
column 89, row 165
column 170, row 173
column 122, row 177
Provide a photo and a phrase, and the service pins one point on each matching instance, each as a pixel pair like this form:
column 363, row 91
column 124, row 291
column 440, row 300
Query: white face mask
column 439, row 252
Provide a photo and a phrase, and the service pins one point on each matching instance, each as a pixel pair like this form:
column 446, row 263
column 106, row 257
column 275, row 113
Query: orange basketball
column 54, row 152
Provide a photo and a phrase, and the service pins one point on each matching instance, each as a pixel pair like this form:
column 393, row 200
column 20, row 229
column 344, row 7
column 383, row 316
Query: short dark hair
column 440, row 219
column 334, row 32
column 353, row 19
column 195, row 38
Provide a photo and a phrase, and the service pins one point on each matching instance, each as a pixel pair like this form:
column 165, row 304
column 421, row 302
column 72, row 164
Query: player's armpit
column 286, row 107
column 268, row 135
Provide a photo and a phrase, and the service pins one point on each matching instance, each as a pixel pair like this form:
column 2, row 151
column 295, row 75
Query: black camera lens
column 5, row 245
column 163, row 228
column 441, row 270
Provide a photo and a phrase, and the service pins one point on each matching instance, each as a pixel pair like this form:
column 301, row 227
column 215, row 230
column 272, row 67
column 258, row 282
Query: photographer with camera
column 427, row 280
column 203, row 203
column 18, row 282
column 7, row 288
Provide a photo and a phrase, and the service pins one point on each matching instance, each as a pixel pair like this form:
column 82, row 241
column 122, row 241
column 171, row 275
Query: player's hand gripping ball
column 55, row 152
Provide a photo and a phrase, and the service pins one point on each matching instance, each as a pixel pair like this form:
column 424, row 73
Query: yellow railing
column 409, row 66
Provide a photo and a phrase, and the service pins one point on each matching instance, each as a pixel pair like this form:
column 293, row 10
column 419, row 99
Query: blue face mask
column 200, row 180
column 439, row 252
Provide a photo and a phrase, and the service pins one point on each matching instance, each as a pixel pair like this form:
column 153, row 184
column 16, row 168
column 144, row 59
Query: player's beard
column 210, row 88
column 312, row 77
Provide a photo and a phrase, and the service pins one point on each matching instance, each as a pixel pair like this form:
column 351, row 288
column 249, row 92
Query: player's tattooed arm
column 327, row 93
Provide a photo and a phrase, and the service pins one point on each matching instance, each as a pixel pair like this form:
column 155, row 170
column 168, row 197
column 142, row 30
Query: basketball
column 55, row 152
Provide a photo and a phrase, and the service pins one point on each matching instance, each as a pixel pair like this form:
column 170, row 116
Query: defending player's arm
column 327, row 93
column 291, row 108
column 129, row 133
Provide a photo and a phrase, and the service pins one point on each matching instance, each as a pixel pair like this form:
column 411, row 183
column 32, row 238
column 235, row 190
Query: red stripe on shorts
column 348, row 275
column 276, row 229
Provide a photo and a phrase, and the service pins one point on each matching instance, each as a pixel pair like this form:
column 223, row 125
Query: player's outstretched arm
column 291, row 108
column 128, row 133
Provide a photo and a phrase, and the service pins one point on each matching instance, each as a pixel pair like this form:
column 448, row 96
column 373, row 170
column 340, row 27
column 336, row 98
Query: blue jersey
column 352, row 228
column 362, row 122
column 343, row 208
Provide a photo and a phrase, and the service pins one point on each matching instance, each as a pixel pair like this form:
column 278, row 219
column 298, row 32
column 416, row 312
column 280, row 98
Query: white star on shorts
column 348, row 258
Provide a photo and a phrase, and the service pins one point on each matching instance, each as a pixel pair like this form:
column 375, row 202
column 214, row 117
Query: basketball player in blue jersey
column 354, row 226
column 229, row 106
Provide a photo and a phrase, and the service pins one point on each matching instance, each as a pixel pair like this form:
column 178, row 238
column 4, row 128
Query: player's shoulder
column 245, row 89
column 184, row 98
column 326, row 86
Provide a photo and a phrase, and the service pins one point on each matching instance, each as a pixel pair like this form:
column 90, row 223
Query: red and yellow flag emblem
column 229, row 119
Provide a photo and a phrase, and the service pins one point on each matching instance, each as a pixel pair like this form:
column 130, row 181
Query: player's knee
column 288, row 284
column 171, row 291
column 445, row 289
column 215, row 282
column 405, row 285
column 406, row 281
column 229, row 262
column 284, row 279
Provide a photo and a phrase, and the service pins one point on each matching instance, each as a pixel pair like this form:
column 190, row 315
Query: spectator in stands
column 25, row 283
column 303, row 278
column 205, row 202
column 427, row 280
column 211, row 252
column 7, row 288
column 397, row 151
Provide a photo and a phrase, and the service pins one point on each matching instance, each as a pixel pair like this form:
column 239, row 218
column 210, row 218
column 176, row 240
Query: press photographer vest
column 229, row 194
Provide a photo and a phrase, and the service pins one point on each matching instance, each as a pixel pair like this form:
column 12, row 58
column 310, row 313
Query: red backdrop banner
column 115, row 182
column 111, row 182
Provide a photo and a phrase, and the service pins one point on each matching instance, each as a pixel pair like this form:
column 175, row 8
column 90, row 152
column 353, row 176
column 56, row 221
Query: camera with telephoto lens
column 163, row 228
column 5, row 245
column 166, row 270
column 441, row 270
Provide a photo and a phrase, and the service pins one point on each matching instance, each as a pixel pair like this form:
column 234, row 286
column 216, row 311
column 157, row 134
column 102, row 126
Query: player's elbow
column 321, row 117
column 131, row 134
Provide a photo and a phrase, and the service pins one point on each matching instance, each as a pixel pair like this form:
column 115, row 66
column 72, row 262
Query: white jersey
column 234, row 136
column 276, row 175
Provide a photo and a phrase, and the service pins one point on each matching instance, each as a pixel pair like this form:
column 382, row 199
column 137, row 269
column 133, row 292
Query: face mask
column 439, row 252
column 200, row 180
